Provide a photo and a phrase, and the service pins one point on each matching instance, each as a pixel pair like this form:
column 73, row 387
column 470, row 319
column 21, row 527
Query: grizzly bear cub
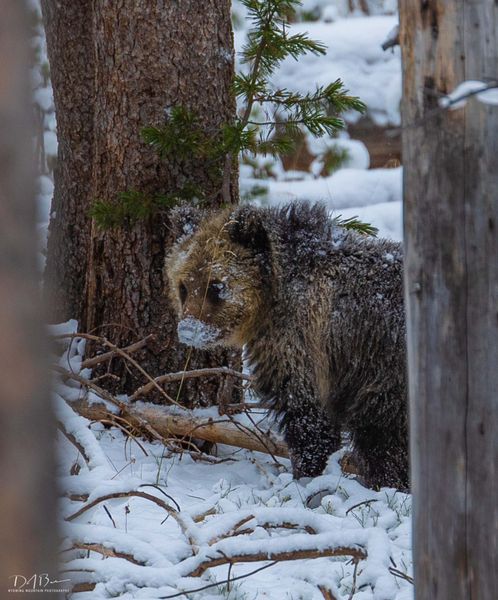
column 319, row 310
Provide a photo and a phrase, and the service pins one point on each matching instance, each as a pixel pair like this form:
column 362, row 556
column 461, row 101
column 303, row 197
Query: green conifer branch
column 182, row 136
column 354, row 224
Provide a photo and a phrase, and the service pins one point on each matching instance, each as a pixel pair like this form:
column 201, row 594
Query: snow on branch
column 485, row 92
column 295, row 547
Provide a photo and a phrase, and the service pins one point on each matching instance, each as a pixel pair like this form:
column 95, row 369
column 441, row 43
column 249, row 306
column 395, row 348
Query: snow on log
column 174, row 424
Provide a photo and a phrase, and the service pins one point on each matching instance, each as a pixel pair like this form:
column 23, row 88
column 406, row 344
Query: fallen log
column 186, row 426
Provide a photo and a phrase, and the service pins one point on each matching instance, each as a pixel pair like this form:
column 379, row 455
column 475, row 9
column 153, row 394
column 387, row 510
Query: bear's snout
column 198, row 334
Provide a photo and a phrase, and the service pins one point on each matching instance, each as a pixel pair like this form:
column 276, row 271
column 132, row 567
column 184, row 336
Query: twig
column 109, row 552
column 156, row 487
column 105, row 395
column 115, row 423
column 152, row 381
column 232, row 531
column 284, row 525
column 110, row 516
column 88, row 363
column 120, row 352
column 353, row 588
column 364, row 503
column 182, row 375
column 70, row 437
column 171, row 511
column 231, row 580
column 262, row 437
column 401, row 575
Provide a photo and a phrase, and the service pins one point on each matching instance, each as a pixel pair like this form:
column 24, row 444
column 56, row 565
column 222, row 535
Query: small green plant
column 265, row 111
column 400, row 504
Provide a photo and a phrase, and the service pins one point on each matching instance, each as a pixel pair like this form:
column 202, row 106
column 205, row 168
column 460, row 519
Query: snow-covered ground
column 354, row 55
column 242, row 506
column 241, row 502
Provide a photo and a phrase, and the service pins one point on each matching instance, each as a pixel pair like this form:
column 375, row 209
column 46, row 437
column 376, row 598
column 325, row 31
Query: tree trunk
column 27, row 499
column 68, row 28
column 451, row 223
column 151, row 56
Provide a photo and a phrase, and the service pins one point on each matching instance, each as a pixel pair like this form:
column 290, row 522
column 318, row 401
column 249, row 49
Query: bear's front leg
column 311, row 438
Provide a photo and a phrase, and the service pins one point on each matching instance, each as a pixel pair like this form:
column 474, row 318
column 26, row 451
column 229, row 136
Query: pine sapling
column 269, row 120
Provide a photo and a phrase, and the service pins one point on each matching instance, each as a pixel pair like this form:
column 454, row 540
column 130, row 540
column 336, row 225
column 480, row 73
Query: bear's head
column 220, row 277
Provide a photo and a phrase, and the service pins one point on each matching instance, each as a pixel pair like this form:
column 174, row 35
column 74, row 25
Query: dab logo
column 36, row 583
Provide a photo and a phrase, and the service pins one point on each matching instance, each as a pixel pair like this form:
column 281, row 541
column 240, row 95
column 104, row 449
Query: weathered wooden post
column 27, row 495
column 451, row 239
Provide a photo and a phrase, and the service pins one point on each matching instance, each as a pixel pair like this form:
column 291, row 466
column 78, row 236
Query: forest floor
column 242, row 510
column 140, row 521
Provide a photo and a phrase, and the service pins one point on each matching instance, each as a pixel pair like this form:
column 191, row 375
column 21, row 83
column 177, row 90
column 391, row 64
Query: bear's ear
column 184, row 219
column 247, row 228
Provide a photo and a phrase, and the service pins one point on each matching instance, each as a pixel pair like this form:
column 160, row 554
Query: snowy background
column 239, row 502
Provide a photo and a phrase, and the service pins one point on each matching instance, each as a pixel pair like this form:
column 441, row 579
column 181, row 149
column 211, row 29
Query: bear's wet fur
column 319, row 310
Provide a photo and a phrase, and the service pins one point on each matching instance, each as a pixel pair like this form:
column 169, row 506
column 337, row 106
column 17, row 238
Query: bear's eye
column 183, row 293
column 216, row 292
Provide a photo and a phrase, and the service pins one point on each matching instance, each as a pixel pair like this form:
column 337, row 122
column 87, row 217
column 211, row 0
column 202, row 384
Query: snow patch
column 482, row 91
column 196, row 333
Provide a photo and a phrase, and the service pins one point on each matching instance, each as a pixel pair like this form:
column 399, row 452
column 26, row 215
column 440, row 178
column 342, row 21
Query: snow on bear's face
column 215, row 287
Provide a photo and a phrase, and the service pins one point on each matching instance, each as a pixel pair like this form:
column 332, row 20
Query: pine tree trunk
column 451, row 222
column 68, row 28
column 27, row 497
column 149, row 57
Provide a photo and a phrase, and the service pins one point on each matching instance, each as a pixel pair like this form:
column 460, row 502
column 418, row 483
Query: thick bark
column 27, row 498
column 151, row 56
column 68, row 28
column 117, row 67
column 451, row 221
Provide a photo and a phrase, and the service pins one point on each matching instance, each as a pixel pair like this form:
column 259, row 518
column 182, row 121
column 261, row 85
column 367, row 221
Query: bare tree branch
column 181, row 375
column 100, row 358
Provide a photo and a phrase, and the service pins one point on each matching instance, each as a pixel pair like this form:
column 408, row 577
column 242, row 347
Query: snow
column 44, row 98
column 50, row 141
column 354, row 55
column 375, row 195
column 196, row 333
column 485, row 92
column 344, row 189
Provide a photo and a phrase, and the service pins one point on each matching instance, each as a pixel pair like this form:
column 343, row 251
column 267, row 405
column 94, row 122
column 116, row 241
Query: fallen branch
column 85, row 586
column 301, row 554
column 71, row 438
column 401, row 575
column 165, row 425
column 108, row 552
column 326, row 593
column 236, row 529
